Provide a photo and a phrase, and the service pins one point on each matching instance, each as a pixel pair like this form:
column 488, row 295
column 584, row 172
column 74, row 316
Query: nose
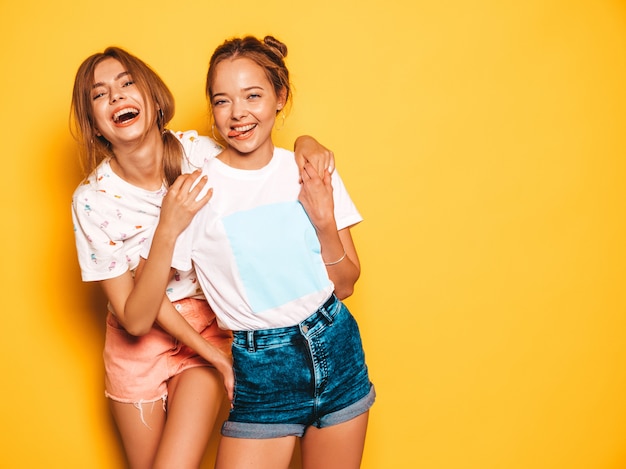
column 238, row 109
column 116, row 95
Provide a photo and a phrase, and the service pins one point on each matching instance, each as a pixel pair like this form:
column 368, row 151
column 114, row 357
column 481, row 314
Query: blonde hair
column 95, row 148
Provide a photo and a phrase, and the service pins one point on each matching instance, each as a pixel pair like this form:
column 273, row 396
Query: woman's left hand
column 316, row 196
column 309, row 150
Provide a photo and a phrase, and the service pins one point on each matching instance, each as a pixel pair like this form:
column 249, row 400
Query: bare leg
column 241, row 453
column 337, row 447
column 195, row 398
column 140, row 438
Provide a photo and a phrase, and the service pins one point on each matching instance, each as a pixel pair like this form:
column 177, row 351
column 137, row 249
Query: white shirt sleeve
column 346, row 213
column 99, row 256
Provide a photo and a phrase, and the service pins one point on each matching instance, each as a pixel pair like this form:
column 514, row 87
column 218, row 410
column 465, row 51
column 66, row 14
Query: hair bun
column 275, row 44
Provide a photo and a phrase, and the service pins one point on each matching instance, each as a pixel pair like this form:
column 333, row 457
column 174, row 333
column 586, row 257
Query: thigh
column 140, row 426
column 237, row 453
column 195, row 398
column 335, row 447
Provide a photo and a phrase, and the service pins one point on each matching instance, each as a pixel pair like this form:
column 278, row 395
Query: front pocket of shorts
column 283, row 370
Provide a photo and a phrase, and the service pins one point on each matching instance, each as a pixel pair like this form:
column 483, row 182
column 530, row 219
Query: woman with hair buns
column 166, row 360
column 274, row 259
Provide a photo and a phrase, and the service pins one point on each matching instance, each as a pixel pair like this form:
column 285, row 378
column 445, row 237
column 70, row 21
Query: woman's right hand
column 183, row 201
column 223, row 363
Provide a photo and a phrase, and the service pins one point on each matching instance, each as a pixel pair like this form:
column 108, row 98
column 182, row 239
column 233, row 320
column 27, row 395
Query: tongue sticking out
column 234, row 133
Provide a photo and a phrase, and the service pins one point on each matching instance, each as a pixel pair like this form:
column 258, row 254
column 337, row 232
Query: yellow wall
column 485, row 146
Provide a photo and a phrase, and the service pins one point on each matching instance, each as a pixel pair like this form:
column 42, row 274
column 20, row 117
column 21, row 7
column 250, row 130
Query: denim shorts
column 290, row 378
column 137, row 369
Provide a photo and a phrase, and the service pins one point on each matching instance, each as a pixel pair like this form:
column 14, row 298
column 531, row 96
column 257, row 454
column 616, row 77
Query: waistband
column 324, row 314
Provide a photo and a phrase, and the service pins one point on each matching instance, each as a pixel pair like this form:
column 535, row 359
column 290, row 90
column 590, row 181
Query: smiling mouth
column 125, row 115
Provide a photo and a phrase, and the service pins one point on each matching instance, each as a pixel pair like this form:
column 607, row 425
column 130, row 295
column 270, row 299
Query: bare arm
column 140, row 302
column 338, row 250
column 142, row 305
column 178, row 327
column 118, row 290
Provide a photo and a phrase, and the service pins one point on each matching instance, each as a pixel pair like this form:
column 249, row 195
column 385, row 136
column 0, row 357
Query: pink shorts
column 137, row 369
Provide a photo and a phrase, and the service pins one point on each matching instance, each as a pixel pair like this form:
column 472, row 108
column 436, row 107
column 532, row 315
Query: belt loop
column 327, row 316
column 250, row 340
column 324, row 309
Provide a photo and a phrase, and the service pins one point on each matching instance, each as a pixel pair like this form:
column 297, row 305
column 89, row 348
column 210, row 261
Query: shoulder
column 283, row 153
column 186, row 137
column 285, row 158
column 198, row 149
column 96, row 182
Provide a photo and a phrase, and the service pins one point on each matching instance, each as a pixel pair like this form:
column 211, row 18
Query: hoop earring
column 282, row 123
column 213, row 132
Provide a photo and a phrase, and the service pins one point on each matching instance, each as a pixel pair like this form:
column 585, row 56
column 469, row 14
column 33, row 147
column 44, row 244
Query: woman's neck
column 141, row 163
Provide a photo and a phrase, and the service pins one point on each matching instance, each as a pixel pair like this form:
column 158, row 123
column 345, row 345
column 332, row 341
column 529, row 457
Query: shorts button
column 305, row 329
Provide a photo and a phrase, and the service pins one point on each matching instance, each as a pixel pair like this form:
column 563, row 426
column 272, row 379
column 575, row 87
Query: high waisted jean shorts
column 310, row 374
column 137, row 369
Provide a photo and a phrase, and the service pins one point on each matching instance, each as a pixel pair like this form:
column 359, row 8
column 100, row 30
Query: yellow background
column 484, row 144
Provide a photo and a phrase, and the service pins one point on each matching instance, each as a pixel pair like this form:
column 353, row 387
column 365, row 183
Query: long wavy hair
column 160, row 102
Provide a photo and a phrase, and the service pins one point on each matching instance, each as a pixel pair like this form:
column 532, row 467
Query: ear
column 282, row 99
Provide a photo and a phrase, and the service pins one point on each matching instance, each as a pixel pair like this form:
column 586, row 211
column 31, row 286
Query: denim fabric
column 287, row 379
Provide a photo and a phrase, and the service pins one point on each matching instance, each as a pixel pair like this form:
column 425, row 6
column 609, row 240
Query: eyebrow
column 254, row 87
column 249, row 88
column 119, row 75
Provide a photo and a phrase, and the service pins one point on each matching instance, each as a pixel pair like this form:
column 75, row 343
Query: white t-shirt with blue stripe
column 255, row 251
